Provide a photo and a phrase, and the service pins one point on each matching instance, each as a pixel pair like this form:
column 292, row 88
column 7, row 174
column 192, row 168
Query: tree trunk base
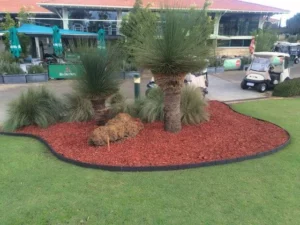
column 101, row 115
column 171, row 86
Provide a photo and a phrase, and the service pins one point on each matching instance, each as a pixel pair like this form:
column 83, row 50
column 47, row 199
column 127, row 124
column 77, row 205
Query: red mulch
column 227, row 135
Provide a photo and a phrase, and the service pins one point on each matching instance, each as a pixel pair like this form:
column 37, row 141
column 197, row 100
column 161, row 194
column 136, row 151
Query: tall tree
column 264, row 40
column 293, row 24
column 24, row 15
column 175, row 47
column 8, row 22
column 131, row 26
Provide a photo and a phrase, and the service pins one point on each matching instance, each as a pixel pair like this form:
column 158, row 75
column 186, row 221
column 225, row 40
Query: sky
column 292, row 5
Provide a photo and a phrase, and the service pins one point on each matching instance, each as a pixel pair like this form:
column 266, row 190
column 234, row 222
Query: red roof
column 218, row 5
column 14, row 6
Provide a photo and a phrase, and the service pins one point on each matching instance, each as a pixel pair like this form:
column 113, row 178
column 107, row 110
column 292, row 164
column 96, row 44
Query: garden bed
column 228, row 135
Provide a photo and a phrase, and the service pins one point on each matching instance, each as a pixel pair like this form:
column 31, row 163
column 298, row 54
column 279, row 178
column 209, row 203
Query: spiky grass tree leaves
column 99, row 78
column 172, row 47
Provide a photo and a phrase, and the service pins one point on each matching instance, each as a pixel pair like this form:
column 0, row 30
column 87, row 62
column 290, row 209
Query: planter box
column 14, row 79
column 214, row 70
column 1, row 79
column 39, row 77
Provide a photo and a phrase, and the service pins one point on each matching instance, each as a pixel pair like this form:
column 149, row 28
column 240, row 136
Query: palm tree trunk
column 100, row 111
column 171, row 86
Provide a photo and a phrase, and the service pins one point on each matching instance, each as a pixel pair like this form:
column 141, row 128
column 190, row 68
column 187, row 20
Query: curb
column 157, row 168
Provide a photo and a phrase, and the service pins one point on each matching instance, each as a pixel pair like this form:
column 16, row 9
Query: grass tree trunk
column 100, row 111
column 171, row 86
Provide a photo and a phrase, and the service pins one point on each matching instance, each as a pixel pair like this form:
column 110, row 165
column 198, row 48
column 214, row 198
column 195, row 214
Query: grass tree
column 99, row 78
column 174, row 46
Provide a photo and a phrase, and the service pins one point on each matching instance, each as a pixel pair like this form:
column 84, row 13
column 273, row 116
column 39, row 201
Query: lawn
column 36, row 188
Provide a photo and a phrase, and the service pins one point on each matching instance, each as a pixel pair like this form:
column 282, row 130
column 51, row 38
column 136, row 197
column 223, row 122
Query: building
column 235, row 20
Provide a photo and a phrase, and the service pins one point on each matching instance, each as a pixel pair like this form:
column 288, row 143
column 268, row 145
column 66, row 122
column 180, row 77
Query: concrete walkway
column 224, row 90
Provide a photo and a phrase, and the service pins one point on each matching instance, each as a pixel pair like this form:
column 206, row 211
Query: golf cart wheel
column 286, row 79
column 244, row 85
column 262, row 87
column 297, row 61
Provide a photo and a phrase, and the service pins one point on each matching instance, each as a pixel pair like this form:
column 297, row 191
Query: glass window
column 237, row 43
column 222, row 43
column 238, row 24
column 49, row 21
column 247, row 43
column 93, row 20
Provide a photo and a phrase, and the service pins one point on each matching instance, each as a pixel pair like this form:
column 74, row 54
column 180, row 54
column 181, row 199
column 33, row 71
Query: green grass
column 36, row 188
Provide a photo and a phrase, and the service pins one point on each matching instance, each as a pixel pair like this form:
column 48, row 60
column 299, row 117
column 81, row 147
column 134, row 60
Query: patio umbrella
column 101, row 39
column 57, row 45
column 15, row 47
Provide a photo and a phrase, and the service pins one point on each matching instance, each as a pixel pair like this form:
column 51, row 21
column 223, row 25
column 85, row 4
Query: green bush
column 36, row 69
column 7, row 57
column 288, row 88
column 193, row 106
column 151, row 108
column 10, row 68
column 77, row 108
column 119, row 104
column 37, row 106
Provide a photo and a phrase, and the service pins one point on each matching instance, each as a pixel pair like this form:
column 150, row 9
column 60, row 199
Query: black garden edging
column 157, row 168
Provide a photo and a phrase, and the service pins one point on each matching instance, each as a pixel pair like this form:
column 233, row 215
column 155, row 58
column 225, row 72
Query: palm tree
column 177, row 46
column 99, row 78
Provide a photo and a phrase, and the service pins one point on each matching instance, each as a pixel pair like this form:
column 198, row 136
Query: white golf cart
column 293, row 49
column 266, row 70
column 199, row 80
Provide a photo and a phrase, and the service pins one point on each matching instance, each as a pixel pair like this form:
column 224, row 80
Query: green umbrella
column 15, row 47
column 101, row 39
column 57, row 45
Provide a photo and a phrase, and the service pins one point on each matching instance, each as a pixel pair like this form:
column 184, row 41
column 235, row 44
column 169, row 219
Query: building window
column 92, row 21
column 238, row 24
column 48, row 20
column 223, row 43
column 234, row 43
column 237, row 43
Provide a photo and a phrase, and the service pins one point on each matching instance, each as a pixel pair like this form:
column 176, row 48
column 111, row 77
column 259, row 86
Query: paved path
column 223, row 90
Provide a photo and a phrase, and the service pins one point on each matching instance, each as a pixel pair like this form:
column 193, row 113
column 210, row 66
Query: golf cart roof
column 270, row 54
column 284, row 43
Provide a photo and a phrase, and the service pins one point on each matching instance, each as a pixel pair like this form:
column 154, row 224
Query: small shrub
column 193, row 106
column 151, row 108
column 37, row 106
column 10, row 68
column 117, row 98
column 36, row 69
column 288, row 88
column 119, row 104
column 77, row 108
column 7, row 57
